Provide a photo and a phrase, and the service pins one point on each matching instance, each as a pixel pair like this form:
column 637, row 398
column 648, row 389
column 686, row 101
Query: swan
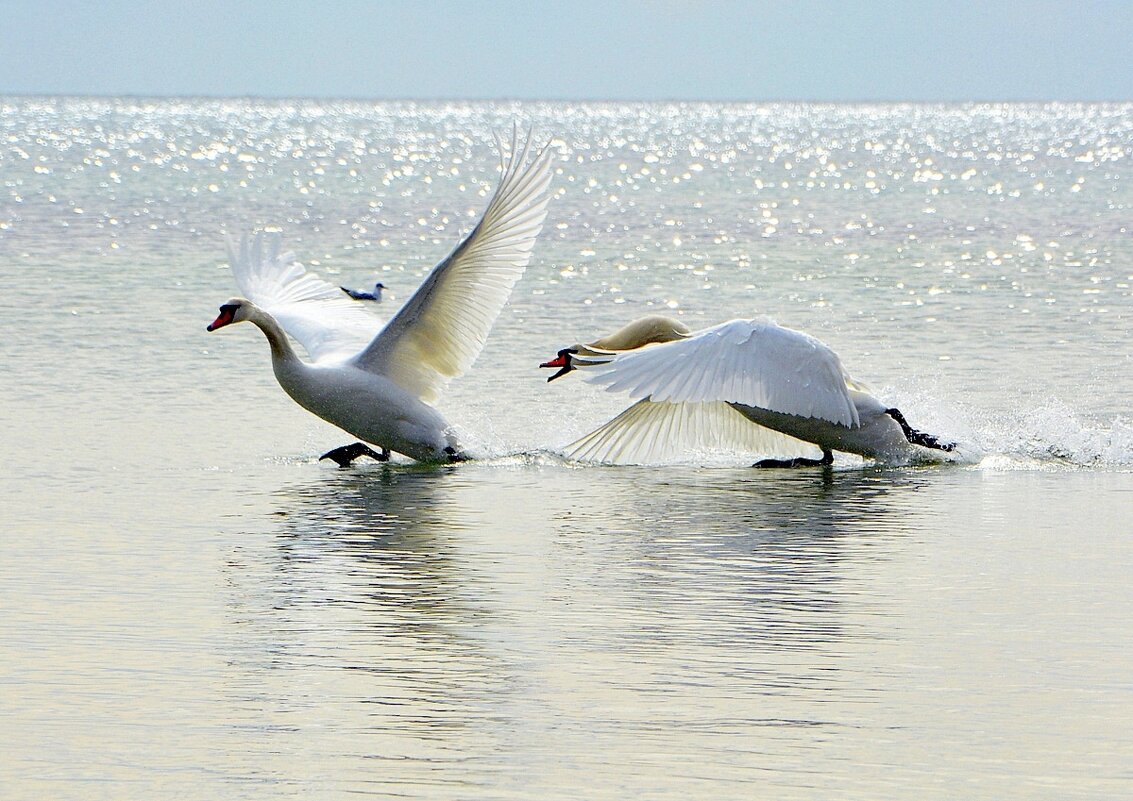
column 359, row 294
column 379, row 385
column 744, row 384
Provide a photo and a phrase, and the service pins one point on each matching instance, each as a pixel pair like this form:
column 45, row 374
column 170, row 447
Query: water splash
column 1053, row 434
column 1050, row 436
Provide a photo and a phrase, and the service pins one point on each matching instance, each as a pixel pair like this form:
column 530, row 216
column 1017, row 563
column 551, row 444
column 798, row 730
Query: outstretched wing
column 651, row 433
column 753, row 362
column 441, row 330
column 316, row 313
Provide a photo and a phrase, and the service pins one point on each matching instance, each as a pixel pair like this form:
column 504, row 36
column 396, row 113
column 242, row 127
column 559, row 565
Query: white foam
column 1055, row 434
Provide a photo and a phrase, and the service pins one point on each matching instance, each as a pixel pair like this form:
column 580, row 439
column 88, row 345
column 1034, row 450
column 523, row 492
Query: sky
column 917, row 50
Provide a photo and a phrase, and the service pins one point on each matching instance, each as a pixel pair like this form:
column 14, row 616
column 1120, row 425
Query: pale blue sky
column 583, row 49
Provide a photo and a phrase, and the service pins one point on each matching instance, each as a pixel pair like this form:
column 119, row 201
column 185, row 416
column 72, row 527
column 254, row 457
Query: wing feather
column 327, row 323
column 441, row 330
column 753, row 362
column 650, row 433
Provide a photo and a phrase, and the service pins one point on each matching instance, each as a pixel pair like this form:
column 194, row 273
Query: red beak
column 562, row 361
column 222, row 319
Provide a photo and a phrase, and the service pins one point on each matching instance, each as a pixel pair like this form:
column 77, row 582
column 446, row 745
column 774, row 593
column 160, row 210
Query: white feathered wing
column 328, row 324
column 441, row 330
column 753, row 362
column 651, row 433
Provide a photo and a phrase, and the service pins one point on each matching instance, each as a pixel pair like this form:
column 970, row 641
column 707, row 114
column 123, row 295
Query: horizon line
column 441, row 99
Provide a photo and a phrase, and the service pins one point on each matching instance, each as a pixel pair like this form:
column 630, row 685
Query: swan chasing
column 744, row 384
column 379, row 385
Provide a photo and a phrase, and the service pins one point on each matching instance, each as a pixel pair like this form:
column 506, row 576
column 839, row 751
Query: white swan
column 744, row 384
column 381, row 392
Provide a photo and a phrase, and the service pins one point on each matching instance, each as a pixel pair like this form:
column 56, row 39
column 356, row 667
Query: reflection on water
column 391, row 531
column 380, row 549
column 412, row 617
column 356, row 609
column 529, row 628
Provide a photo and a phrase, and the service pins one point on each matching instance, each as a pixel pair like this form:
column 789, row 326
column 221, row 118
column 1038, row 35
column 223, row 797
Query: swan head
column 236, row 310
column 644, row 331
column 562, row 361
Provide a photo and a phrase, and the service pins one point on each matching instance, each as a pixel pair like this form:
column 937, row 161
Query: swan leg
column 826, row 460
column 348, row 453
column 919, row 437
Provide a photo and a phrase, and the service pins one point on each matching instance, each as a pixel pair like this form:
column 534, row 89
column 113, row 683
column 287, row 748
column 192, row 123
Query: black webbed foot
column 348, row 453
column 827, row 459
column 454, row 455
column 919, row 437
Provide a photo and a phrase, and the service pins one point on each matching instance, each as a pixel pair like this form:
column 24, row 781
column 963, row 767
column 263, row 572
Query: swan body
column 744, row 384
column 876, row 436
column 379, row 383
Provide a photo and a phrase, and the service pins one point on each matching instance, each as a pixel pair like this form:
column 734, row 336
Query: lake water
column 192, row 606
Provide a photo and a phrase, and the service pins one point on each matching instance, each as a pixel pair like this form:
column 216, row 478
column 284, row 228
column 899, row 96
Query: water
column 192, row 606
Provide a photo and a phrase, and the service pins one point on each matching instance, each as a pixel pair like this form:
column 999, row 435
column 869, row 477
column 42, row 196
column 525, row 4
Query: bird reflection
column 366, row 577
column 451, row 589
column 386, row 537
column 743, row 561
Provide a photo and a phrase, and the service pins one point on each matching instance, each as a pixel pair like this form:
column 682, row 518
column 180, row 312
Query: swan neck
column 645, row 331
column 281, row 350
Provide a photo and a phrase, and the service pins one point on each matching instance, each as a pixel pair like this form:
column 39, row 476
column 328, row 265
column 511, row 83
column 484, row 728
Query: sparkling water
column 193, row 606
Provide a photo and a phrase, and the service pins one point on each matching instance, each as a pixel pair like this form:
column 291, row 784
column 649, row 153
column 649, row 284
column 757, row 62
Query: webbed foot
column 827, row 459
column 919, row 437
column 348, row 453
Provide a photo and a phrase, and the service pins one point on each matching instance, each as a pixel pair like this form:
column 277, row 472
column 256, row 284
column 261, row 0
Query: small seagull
column 358, row 294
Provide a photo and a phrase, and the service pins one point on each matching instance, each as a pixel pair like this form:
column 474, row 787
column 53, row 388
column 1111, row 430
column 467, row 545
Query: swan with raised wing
column 745, row 384
column 379, row 383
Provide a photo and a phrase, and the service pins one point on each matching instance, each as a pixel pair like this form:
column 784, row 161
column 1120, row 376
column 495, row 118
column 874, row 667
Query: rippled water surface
column 192, row 606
